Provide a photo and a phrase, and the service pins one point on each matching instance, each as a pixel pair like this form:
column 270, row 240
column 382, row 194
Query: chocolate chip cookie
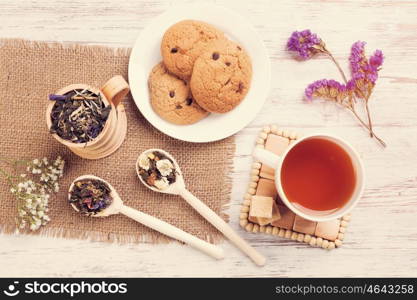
column 221, row 76
column 183, row 42
column 171, row 98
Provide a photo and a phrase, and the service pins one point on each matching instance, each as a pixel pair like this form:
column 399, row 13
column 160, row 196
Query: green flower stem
column 13, row 162
column 9, row 179
column 8, row 176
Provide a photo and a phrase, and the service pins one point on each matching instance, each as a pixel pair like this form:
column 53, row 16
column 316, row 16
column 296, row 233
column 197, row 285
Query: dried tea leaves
column 78, row 116
column 157, row 170
column 90, row 196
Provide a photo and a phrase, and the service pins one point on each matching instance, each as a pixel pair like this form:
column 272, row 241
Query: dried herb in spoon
column 157, row 170
column 90, row 196
column 78, row 116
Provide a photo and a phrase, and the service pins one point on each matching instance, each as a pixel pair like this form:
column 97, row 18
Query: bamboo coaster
column 326, row 235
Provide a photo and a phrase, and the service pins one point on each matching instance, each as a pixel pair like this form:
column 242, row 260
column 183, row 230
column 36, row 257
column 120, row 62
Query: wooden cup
column 114, row 131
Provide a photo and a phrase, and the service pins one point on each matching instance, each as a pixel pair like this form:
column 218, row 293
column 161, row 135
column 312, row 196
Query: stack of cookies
column 202, row 71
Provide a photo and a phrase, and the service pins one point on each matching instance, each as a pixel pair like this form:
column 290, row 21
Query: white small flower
column 162, row 184
column 164, row 166
column 33, row 197
column 144, row 162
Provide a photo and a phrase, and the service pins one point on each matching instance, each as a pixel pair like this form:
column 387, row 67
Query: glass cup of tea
column 319, row 177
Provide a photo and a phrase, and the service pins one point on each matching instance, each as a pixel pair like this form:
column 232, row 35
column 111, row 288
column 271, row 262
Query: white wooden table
column 382, row 236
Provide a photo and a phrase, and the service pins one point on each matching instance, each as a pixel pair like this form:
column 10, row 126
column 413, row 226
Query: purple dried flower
column 329, row 90
column 305, row 43
column 93, row 131
column 57, row 97
column 377, row 59
column 364, row 72
column 357, row 57
column 364, row 75
column 350, row 86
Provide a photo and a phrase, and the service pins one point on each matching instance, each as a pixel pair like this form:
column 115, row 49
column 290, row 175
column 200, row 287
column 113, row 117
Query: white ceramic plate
column 146, row 54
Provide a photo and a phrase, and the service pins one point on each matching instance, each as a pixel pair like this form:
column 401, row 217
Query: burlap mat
column 29, row 72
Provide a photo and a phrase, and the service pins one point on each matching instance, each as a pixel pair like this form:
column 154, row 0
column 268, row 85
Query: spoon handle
column 172, row 231
column 222, row 226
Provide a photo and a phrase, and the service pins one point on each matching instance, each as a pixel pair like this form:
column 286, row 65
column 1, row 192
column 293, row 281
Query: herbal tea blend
column 157, row 170
column 78, row 116
column 90, row 196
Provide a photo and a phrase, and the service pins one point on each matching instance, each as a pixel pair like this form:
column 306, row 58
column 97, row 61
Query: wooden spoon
column 117, row 207
column 178, row 188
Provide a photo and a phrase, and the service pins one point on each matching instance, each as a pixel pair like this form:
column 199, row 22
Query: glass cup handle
column 266, row 157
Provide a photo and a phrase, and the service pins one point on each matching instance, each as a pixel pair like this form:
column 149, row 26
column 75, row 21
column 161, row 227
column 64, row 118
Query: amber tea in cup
column 318, row 174
column 319, row 177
